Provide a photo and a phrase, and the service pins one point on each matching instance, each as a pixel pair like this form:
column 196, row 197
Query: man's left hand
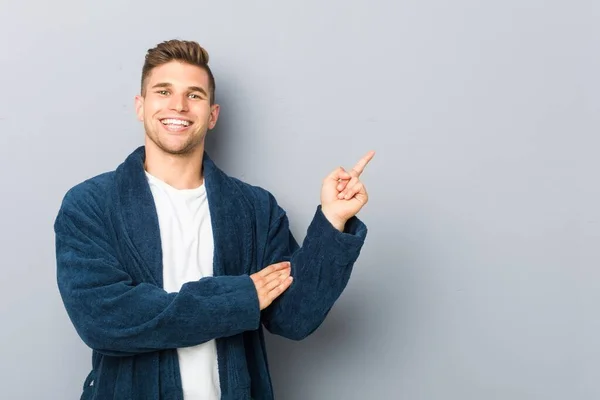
column 343, row 194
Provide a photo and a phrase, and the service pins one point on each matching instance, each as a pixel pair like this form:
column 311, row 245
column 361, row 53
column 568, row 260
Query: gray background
column 479, row 278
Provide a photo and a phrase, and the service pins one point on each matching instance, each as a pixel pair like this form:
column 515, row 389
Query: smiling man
column 169, row 269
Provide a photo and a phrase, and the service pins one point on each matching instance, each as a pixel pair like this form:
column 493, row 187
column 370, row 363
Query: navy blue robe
column 109, row 273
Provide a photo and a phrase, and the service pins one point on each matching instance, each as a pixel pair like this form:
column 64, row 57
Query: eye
column 194, row 96
column 162, row 92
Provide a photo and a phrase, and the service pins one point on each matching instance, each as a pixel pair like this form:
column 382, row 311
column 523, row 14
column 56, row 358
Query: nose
column 179, row 103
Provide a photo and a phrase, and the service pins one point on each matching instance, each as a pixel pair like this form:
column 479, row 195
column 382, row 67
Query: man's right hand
column 271, row 282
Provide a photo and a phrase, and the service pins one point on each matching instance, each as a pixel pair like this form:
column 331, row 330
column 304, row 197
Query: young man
column 168, row 268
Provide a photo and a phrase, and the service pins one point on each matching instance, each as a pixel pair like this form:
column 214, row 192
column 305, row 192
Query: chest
column 187, row 240
column 226, row 240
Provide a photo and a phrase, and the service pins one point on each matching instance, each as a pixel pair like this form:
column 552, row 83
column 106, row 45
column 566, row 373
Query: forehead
column 178, row 73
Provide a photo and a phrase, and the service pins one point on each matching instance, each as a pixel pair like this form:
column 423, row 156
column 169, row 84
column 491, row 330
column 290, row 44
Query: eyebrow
column 190, row 88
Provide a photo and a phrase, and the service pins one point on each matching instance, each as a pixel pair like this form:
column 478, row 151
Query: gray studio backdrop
column 480, row 276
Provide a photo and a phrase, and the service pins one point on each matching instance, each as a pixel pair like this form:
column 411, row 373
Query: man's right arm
column 116, row 317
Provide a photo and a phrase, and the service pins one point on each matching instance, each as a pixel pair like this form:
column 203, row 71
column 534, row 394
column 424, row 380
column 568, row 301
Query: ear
column 139, row 107
column 214, row 115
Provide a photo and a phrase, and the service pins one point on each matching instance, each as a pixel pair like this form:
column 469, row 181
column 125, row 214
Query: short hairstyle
column 186, row 51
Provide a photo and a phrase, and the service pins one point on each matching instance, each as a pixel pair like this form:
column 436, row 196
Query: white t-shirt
column 187, row 247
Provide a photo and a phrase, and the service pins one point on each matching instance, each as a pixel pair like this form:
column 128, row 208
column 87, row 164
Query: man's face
column 176, row 108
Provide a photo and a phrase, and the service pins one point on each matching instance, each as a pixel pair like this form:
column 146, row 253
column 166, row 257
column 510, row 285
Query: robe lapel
column 140, row 230
column 231, row 214
column 232, row 222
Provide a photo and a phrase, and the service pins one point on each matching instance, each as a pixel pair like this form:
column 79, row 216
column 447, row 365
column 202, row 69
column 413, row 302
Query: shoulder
column 90, row 195
column 261, row 199
column 258, row 195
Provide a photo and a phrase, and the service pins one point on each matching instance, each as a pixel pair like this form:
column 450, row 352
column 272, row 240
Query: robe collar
column 232, row 219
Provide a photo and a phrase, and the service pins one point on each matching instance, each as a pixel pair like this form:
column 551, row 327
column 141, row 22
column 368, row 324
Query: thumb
column 338, row 173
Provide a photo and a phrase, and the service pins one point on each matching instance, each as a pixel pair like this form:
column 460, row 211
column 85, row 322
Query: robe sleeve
column 321, row 269
column 116, row 317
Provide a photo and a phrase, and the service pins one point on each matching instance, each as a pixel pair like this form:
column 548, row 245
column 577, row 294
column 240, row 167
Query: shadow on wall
column 358, row 333
column 218, row 138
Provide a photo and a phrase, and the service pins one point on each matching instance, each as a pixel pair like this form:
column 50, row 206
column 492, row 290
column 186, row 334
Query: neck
column 182, row 171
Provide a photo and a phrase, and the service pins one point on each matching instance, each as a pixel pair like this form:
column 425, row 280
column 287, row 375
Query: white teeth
column 175, row 122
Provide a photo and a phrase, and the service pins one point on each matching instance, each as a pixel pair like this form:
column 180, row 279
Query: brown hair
column 178, row 50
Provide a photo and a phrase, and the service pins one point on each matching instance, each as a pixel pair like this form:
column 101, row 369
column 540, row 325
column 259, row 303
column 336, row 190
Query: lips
column 176, row 121
column 176, row 124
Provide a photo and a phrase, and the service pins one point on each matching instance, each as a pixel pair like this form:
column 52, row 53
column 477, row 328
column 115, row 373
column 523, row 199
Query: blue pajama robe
column 109, row 273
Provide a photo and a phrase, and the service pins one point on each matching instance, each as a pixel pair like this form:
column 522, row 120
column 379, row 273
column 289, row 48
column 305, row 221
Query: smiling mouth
column 175, row 123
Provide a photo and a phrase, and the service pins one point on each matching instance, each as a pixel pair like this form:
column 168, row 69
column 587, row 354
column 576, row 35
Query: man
column 169, row 268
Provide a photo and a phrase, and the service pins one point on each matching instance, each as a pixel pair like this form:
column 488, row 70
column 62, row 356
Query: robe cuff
column 343, row 246
column 245, row 303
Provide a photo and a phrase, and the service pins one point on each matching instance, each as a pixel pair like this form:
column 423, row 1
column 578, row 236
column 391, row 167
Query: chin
column 178, row 148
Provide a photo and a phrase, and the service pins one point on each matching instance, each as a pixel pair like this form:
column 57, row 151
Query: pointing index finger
column 362, row 163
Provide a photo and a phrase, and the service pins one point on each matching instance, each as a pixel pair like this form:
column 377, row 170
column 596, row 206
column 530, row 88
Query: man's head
column 177, row 100
column 178, row 50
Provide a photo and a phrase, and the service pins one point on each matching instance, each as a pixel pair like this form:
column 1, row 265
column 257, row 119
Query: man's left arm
column 321, row 267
